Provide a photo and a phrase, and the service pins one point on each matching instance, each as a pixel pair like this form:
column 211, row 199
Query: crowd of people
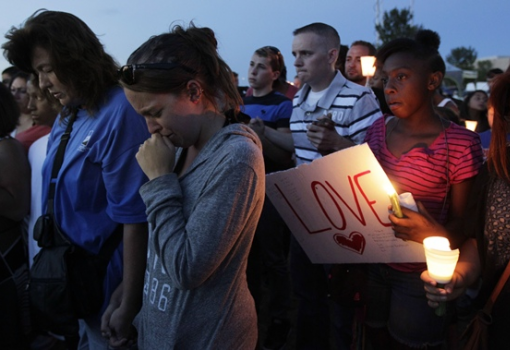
column 168, row 153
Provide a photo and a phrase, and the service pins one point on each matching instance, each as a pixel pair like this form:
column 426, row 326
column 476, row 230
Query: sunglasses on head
column 127, row 73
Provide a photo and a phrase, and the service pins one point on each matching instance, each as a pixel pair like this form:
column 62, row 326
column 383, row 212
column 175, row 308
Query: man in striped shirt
column 329, row 113
column 325, row 92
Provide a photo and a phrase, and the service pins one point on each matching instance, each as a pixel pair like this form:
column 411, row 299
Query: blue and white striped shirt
column 353, row 107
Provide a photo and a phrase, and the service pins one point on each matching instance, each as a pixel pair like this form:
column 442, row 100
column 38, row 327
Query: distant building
column 479, row 85
column 501, row 62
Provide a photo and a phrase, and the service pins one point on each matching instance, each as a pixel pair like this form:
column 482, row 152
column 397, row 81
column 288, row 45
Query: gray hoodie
column 201, row 229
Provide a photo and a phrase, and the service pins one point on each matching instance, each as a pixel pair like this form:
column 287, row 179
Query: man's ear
column 435, row 81
column 276, row 75
column 332, row 56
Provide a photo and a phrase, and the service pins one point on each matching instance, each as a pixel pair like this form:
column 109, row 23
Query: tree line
column 398, row 23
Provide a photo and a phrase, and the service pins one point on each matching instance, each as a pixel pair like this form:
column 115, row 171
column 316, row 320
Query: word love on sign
column 337, row 209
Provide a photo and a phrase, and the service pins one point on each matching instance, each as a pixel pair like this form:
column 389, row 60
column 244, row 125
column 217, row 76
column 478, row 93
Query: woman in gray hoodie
column 204, row 196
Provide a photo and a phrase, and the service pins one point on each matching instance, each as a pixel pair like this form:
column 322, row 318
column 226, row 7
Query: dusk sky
column 243, row 26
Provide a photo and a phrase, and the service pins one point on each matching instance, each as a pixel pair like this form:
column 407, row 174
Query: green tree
column 396, row 24
column 483, row 68
column 463, row 57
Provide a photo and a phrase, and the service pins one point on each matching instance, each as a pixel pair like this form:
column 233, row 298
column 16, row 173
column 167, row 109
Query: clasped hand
column 451, row 290
column 416, row 226
column 323, row 136
column 156, row 156
column 258, row 126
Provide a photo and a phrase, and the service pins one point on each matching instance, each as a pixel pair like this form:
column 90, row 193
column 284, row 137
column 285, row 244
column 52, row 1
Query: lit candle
column 367, row 66
column 395, row 205
column 471, row 124
column 441, row 262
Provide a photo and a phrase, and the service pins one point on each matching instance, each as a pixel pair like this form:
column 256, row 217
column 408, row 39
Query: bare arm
column 271, row 150
column 282, row 140
column 126, row 301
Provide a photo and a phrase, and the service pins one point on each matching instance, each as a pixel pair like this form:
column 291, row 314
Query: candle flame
column 367, row 66
column 389, row 189
column 471, row 124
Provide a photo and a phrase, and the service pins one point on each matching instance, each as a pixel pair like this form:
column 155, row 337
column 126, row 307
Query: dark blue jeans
column 316, row 313
column 396, row 300
column 268, row 262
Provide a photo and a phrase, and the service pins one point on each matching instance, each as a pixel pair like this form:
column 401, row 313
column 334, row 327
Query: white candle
column 441, row 260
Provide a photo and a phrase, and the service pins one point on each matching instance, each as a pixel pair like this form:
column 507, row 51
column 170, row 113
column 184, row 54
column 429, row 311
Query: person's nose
column 298, row 62
column 31, row 104
column 389, row 87
column 44, row 82
column 152, row 125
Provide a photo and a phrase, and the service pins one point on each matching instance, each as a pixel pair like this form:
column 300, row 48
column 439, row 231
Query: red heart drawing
column 355, row 242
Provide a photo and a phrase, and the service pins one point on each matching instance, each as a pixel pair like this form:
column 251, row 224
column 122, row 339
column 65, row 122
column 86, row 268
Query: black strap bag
column 66, row 282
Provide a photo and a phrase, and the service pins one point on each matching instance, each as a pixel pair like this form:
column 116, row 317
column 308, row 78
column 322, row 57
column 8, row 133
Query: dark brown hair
column 371, row 48
column 194, row 50
column 277, row 64
column 498, row 156
column 9, row 111
column 423, row 47
column 77, row 57
column 479, row 116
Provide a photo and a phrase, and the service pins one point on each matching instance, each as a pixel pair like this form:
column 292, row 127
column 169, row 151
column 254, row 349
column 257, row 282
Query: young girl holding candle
column 433, row 159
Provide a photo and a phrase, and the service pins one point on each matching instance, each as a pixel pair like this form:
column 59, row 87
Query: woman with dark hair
column 30, row 130
column 96, row 189
column 14, row 205
column 204, row 197
column 474, row 108
column 7, row 75
column 486, row 251
column 18, row 87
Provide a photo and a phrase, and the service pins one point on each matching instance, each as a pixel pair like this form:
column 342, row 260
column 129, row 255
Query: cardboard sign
column 337, row 208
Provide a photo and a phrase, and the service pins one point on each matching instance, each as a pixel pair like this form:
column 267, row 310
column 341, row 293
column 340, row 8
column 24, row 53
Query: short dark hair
column 9, row 111
column 423, row 47
column 493, row 72
column 371, row 48
column 11, row 70
column 19, row 74
column 78, row 57
column 325, row 31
